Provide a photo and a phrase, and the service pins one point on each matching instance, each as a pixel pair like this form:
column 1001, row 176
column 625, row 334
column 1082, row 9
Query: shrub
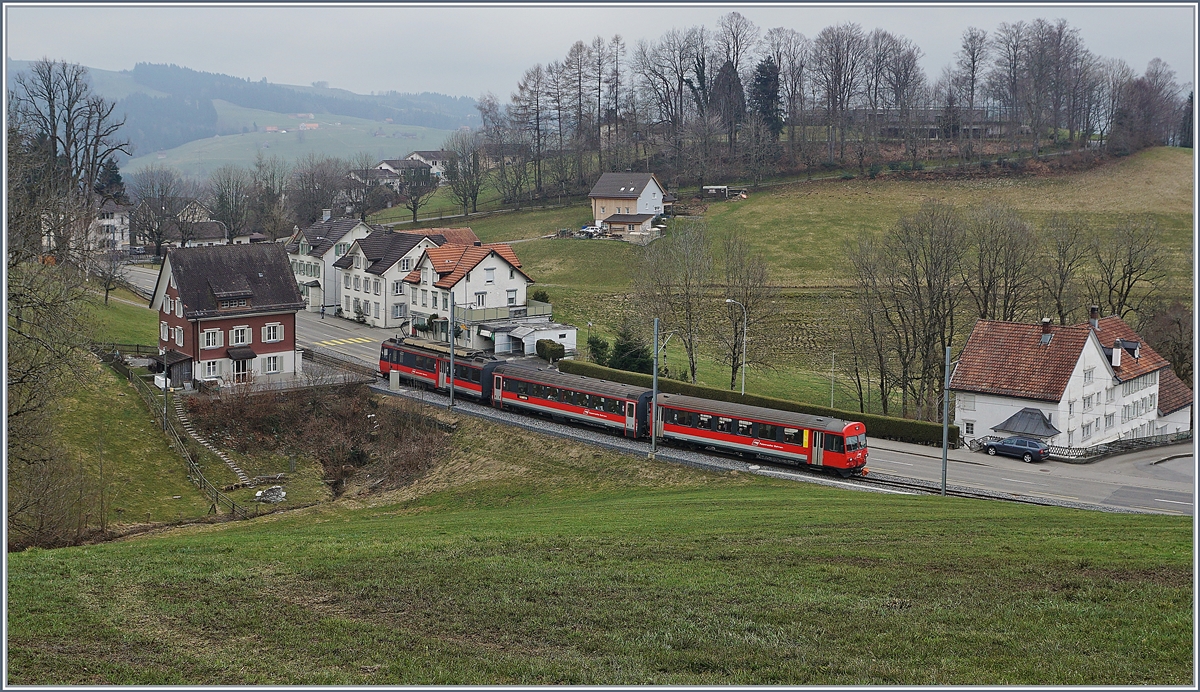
column 901, row 429
column 919, row 166
column 906, row 166
column 874, row 170
column 894, row 165
column 540, row 295
column 598, row 349
column 550, row 350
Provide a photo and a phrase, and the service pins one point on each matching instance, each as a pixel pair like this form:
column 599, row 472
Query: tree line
column 738, row 102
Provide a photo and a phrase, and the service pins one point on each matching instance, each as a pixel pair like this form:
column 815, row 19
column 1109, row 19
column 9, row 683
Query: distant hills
column 168, row 106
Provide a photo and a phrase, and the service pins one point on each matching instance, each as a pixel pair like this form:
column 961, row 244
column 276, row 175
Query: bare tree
column 791, row 50
column 228, row 195
column 737, row 37
column 747, row 281
column 528, row 111
column 1000, row 271
column 1065, row 251
column 314, row 185
column 268, row 204
column 109, row 268
column 839, row 52
column 417, row 192
column 159, row 196
column 358, row 182
column 1130, row 264
column 465, row 172
column 1007, row 78
column 673, row 282
column 969, row 61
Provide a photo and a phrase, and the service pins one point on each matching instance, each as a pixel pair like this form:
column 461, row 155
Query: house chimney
column 326, row 214
column 1094, row 317
column 1116, row 356
column 1045, row 325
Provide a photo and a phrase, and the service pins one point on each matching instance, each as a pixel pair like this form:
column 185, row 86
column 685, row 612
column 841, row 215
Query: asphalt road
column 1159, row 480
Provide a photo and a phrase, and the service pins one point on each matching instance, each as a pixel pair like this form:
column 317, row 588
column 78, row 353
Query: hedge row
column 901, row 429
column 550, row 350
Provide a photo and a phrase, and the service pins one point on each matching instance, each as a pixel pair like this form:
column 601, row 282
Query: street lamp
column 745, row 319
column 946, row 418
column 654, row 398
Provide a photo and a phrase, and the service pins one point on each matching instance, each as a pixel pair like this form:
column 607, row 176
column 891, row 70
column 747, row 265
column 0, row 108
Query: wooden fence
column 172, row 429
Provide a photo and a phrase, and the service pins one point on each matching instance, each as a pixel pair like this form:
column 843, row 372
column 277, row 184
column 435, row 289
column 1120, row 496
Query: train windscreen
column 856, row 442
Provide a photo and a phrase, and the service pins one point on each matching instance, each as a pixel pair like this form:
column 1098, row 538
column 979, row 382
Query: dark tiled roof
column 408, row 163
column 455, row 236
column 260, row 272
column 1028, row 421
column 628, row 218
column 1112, row 328
column 442, row 155
column 322, row 235
column 383, row 249
column 622, row 185
column 1173, row 393
column 1008, row 359
column 199, row 231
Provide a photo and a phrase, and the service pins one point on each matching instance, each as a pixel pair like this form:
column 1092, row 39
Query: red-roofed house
column 1093, row 382
column 488, row 289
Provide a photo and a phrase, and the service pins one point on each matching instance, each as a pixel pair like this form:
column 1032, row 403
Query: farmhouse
column 372, row 275
column 1071, row 386
column 626, row 202
column 227, row 313
column 491, row 309
column 436, row 160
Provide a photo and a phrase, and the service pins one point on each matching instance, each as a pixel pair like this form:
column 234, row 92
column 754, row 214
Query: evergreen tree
column 630, row 353
column 729, row 99
column 764, row 95
column 109, row 184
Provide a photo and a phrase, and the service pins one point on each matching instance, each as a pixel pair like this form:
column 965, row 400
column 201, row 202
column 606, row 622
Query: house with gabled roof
column 487, row 288
column 372, row 276
column 228, row 313
column 312, row 252
column 1090, row 383
column 627, row 202
column 436, row 160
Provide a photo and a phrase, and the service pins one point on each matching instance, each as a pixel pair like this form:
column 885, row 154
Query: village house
column 1070, row 386
column 488, row 288
column 436, row 160
column 227, row 313
column 406, row 170
column 372, row 276
column 110, row 229
column 312, row 252
column 627, row 202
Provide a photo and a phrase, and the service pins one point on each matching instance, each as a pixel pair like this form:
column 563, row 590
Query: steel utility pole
column 654, row 398
column 451, row 336
column 745, row 319
column 945, row 420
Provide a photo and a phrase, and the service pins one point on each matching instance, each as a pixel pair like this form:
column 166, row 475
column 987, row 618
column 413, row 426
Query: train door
column 818, row 448
column 498, row 391
column 443, row 373
column 630, row 419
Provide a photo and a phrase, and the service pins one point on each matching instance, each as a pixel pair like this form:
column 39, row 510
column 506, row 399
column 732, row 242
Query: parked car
column 1022, row 448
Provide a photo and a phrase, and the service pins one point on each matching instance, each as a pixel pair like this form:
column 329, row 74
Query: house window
column 1109, row 394
column 966, row 402
column 489, row 276
column 405, row 265
column 238, row 303
column 1087, row 402
column 162, row 331
column 1089, row 375
column 1071, row 407
column 357, row 284
column 357, row 262
column 479, row 298
column 468, row 277
column 179, row 337
column 601, row 210
column 178, row 309
column 273, row 332
column 397, row 288
column 166, row 306
column 340, row 249
column 414, row 295
column 346, row 280
column 213, row 338
column 424, row 298
column 272, row 364
column 376, row 286
column 512, row 296
column 445, row 301
column 1109, row 419
column 377, row 309
column 357, row 306
column 512, row 273
column 397, row 310
column 1070, row 437
column 239, row 336
column 969, row 427
column 212, row 368
column 1153, row 400
column 1086, row 431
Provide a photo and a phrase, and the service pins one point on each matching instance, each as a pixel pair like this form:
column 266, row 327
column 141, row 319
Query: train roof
column 440, row 348
column 554, row 378
column 744, row 412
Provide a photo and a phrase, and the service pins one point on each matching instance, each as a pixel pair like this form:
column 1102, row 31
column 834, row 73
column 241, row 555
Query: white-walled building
column 371, row 274
column 1092, row 383
column 625, row 202
column 489, row 292
column 312, row 252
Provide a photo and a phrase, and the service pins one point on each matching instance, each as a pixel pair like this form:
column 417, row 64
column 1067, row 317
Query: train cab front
column 856, row 450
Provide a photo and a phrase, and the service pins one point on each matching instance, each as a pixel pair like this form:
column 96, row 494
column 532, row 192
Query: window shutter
column 178, row 309
column 162, row 331
column 264, row 334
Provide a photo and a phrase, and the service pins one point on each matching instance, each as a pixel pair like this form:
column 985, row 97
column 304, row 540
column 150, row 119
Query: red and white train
column 794, row 438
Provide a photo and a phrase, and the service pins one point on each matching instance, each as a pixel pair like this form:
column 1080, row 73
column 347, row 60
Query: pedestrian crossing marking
column 342, row 342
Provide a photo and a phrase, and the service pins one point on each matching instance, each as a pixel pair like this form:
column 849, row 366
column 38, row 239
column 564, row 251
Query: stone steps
column 187, row 426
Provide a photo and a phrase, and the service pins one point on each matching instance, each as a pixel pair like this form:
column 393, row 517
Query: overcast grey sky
column 465, row 51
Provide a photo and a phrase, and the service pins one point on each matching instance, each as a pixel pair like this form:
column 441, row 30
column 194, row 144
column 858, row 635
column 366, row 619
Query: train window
column 704, row 421
column 568, row 397
column 725, row 425
column 410, row 359
column 685, row 418
column 552, row 393
column 385, row 354
column 509, row 385
column 597, row 402
column 833, row 443
column 745, row 427
column 793, row 436
column 522, row 388
column 768, row 432
column 856, row 442
column 612, row 405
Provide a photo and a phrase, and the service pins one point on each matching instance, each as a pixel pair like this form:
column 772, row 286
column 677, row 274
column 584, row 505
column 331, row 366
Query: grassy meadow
column 527, row 560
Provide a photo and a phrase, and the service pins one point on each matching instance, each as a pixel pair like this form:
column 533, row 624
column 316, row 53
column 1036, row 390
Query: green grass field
column 336, row 135
column 122, row 323
column 526, row 560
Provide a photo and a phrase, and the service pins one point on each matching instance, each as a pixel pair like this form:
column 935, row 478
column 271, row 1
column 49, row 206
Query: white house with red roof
column 1070, row 386
column 488, row 289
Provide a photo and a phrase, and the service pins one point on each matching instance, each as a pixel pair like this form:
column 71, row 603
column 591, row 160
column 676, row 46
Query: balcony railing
column 532, row 308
